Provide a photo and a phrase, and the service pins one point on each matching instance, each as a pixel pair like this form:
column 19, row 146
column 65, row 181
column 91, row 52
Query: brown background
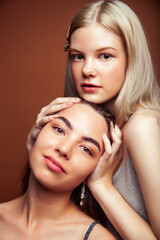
column 32, row 67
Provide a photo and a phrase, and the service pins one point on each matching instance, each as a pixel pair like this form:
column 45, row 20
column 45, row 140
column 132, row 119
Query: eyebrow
column 69, row 125
column 106, row 48
column 98, row 50
column 74, row 50
column 92, row 141
column 66, row 121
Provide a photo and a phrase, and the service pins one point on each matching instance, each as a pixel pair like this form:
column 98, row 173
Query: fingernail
column 54, row 116
column 69, row 103
column 111, row 124
column 77, row 99
column 105, row 136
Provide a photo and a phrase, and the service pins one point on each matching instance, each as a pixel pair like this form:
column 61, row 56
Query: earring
column 83, row 189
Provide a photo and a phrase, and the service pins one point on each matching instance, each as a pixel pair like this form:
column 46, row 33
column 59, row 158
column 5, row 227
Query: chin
column 94, row 99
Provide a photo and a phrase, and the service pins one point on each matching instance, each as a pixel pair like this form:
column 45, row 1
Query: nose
column 64, row 150
column 89, row 68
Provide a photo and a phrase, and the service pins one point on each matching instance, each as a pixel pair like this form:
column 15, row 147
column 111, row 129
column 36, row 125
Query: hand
column 109, row 162
column 47, row 114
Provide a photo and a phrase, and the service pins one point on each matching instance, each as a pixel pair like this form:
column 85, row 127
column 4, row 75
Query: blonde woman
column 109, row 63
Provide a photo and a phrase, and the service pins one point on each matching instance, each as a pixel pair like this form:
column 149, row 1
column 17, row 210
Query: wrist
column 98, row 188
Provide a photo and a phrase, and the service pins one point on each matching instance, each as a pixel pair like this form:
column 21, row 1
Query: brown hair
column 90, row 206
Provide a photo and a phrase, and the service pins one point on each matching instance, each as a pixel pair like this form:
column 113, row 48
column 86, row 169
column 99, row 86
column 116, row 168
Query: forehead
column 97, row 35
column 84, row 116
column 79, row 109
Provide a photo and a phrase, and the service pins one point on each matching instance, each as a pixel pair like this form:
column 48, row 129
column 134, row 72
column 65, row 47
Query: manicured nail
column 54, row 116
column 105, row 136
column 69, row 103
column 77, row 99
column 111, row 123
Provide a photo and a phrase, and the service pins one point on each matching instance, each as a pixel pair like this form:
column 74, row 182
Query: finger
column 50, row 110
column 65, row 100
column 56, row 108
column 116, row 134
column 116, row 138
column 43, row 121
column 107, row 145
column 118, row 131
column 53, row 108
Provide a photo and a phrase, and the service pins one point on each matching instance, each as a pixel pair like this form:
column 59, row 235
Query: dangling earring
column 83, row 189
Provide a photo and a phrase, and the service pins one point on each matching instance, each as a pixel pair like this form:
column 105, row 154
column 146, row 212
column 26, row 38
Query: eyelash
column 88, row 150
column 59, row 130
column 79, row 57
column 106, row 55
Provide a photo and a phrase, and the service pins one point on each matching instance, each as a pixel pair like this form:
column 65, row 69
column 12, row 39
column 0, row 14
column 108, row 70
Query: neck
column 43, row 205
column 110, row 105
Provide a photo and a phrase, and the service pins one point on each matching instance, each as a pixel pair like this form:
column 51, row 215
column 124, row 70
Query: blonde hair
column 140, row 88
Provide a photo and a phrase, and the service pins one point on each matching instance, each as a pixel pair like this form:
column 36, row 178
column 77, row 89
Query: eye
column 77, row 57
column 59, row 130
column 87, row 150
column 105, row 56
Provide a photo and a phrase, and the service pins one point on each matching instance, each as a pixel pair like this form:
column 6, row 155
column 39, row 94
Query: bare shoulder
column 9, row 209
column 97, row 231
column 4, row 208
column 5, row 213
column 142, row 123
column 100, row 232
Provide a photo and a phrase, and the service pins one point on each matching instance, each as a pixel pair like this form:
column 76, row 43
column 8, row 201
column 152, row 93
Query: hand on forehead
column 82, row 120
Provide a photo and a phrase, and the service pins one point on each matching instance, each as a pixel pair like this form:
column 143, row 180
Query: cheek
column 114, row 78
column 36, row 152
column 83, row 167
column 75, row 71
column 33, row 156
column 120, row 72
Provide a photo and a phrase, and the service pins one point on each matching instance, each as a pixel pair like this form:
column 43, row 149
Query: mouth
column 54, row 165
column 89, row 87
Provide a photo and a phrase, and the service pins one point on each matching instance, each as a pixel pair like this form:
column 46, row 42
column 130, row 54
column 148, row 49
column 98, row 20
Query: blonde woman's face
column 98, row 63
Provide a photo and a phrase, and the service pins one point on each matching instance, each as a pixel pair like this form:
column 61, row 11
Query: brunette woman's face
column 67, row 149
column 98, row 63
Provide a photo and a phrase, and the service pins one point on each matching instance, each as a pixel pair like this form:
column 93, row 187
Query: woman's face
column 98, row 63
column 67, row 149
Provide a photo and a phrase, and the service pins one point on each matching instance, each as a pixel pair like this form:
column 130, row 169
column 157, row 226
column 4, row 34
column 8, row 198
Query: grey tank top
column 126, row 182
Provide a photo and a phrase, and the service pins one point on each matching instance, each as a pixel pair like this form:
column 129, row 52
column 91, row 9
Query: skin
column 141, row 134
column 66, row 144
column 101, row 62
column 46, row 210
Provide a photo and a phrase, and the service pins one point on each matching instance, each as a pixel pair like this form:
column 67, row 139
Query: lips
column 89, row 87
column 53, row 164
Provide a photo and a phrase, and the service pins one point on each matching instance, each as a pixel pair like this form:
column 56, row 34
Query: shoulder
column 143, row 123
column 100, row 232
column 8, row 209
column 5, row 208
column 4, row 212
column 142, row 139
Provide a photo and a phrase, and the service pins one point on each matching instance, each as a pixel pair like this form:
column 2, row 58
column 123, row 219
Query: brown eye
column 59, row 130
column 77, row 57
column 105, row 56
column 86, row 149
